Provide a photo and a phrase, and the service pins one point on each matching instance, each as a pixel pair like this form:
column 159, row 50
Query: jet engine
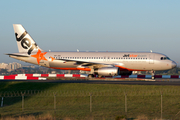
column 107, row 71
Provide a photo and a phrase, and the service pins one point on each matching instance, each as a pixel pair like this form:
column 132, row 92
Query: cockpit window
column 165, row 58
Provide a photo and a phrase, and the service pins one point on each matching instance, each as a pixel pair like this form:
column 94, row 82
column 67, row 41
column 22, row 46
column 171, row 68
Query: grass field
column 72, row 100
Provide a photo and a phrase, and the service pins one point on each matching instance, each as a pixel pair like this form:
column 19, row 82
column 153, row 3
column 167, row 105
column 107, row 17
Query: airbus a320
column 97, row 63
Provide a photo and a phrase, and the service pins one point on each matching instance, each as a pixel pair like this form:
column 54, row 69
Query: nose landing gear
column 152, row 75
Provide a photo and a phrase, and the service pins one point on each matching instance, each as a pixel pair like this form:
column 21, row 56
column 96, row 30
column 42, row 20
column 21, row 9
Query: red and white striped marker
column 52, row 75
column 146, row 76
column 38, row 76
column 20, row 78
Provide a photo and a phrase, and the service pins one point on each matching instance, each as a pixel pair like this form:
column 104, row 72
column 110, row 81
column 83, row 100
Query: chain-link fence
column 107, row 104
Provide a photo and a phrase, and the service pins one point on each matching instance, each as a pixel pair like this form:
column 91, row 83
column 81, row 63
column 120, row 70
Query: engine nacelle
column 107, row 71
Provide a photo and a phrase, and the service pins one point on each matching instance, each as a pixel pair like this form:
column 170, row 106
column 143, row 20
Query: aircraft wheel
column 100, row 76
column 90, row 76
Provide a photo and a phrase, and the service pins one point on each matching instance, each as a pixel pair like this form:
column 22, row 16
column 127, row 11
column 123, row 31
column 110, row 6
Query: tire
column 100, row 76
column 90, row 76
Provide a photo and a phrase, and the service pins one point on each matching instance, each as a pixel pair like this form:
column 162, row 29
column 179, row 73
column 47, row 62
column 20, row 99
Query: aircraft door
column 151, row 58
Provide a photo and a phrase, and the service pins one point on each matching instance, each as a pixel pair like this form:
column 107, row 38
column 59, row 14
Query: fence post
column 125, row 103
column 90, row 102
column 54, row 100
column 2, row 102
column 22, row 101
column 161, row 105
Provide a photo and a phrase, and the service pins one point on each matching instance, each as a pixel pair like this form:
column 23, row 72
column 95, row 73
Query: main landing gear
column 90, row 76
column 152, row 75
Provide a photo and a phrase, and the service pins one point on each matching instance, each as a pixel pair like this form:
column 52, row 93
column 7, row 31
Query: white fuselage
column 131, row 61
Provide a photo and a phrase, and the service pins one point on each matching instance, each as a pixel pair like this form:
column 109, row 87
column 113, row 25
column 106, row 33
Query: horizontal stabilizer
column 17, row 55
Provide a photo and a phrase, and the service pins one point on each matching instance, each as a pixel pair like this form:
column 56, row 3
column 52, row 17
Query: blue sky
column 114, row 25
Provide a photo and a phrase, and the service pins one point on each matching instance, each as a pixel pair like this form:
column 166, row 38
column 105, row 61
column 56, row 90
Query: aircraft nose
column 174, row 64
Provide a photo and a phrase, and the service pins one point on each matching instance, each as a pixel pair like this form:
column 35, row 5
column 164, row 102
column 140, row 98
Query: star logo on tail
column 39, row 56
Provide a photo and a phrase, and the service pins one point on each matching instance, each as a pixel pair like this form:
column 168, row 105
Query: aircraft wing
column 88, row 64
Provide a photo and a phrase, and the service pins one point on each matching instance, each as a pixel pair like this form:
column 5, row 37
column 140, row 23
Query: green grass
column 73, row 100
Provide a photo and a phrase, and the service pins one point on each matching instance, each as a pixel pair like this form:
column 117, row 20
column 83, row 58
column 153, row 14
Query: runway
column 126, row 82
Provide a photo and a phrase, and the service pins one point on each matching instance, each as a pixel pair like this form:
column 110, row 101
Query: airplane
column 97, row 63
